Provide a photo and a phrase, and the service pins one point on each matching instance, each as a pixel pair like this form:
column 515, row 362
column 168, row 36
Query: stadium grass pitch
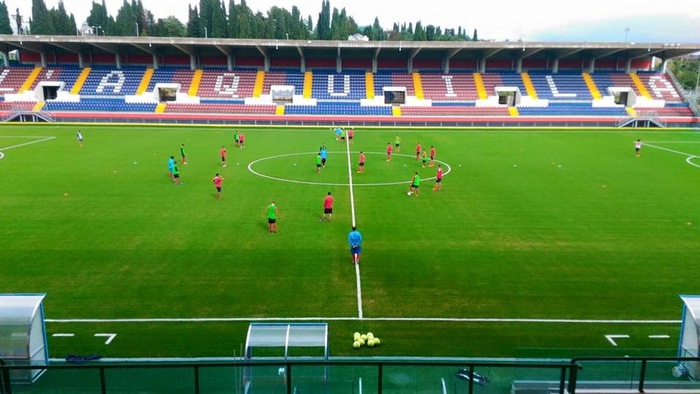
column 541, row 243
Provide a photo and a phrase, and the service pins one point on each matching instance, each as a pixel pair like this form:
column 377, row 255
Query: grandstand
column 469, row 83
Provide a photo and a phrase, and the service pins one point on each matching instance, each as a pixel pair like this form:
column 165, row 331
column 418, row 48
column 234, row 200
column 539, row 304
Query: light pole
column 287, row 34
column 627, row 30
column 137, row 28
column 206, row 33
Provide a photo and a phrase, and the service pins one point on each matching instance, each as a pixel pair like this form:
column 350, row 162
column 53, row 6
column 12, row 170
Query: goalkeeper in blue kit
column 355, row 241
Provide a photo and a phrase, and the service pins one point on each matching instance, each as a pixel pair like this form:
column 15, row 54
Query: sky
column 511, row 20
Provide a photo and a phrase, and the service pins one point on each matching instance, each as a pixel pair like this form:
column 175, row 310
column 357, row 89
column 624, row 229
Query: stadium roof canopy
column 361, row 50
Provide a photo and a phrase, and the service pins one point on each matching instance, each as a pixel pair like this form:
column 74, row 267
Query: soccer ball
column 355, row 335
column 376, row 341
column 408, row 193
column 370, row 335
column 370, row 342
column 364, row 337
column 356, row 344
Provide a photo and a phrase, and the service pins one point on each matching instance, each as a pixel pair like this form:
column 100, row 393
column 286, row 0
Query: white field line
column 354, row 223
column 254, row 162
column 349, row 318
column 669, row 150
column 27, row 143
column 688, row 157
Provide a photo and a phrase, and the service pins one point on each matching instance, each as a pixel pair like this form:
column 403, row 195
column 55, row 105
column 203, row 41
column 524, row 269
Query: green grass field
column 540, row 243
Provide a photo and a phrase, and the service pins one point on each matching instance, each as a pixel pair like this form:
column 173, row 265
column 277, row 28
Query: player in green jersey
column 272, row 217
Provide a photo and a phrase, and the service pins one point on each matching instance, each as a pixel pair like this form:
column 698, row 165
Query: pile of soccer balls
column 368, row 340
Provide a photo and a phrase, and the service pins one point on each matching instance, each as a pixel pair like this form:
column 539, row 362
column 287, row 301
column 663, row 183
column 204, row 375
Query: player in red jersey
column 419, row 149
column 218, row 180
column 241, row 140
column 351, row 135
column 223, row 156
column 388, row 151
column 327, row 208
column 361, row 166
column 432, row 156
column 438, row 179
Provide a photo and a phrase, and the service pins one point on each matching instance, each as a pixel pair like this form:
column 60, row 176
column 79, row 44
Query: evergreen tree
column 100, row 19
column 323, row 24
column 63, row 24
column 245, row 20
column 475, row 37
column 232, row 19
column 335, row 25
column 430, row 33
column 205, row 17
column 141, row 17
column 41, row 22
column 295, row 27
column 5, row 27
column 193, row 22
column 419, row 32
column 219, row 26
column 125, row 24
column 377, row 31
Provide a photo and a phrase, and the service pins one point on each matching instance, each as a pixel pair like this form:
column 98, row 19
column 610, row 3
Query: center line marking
column 354, row 223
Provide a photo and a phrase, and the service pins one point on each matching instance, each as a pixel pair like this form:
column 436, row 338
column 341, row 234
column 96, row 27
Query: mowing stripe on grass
column 349, row 318
column 354, row 223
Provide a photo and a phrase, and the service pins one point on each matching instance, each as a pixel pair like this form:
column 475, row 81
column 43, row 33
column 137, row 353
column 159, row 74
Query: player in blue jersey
column 171, row 166
column 355, row 241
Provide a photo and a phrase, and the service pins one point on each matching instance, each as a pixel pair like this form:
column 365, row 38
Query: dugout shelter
column 281, row 342
column 23, row 334
column 689, row 343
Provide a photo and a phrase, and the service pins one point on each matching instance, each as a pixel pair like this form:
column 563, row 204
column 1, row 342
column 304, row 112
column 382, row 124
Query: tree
column 169, row 27
column 430, row 33
column 323, row 24
column 63, row 24
column 232, row 19
column 219, row 25
column 193, row 28
column 5, row 27
column 475, row 37
column 100, row 18
column 377, row 31
column 686, row 73
column 41, row 22
column 126, row 21
column 245, row 20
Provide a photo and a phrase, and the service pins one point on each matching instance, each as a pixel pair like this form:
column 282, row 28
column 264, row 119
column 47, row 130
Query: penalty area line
column 350, row 318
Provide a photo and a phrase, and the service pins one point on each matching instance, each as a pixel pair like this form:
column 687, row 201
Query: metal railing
column 610, row 374
column 376, row 376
